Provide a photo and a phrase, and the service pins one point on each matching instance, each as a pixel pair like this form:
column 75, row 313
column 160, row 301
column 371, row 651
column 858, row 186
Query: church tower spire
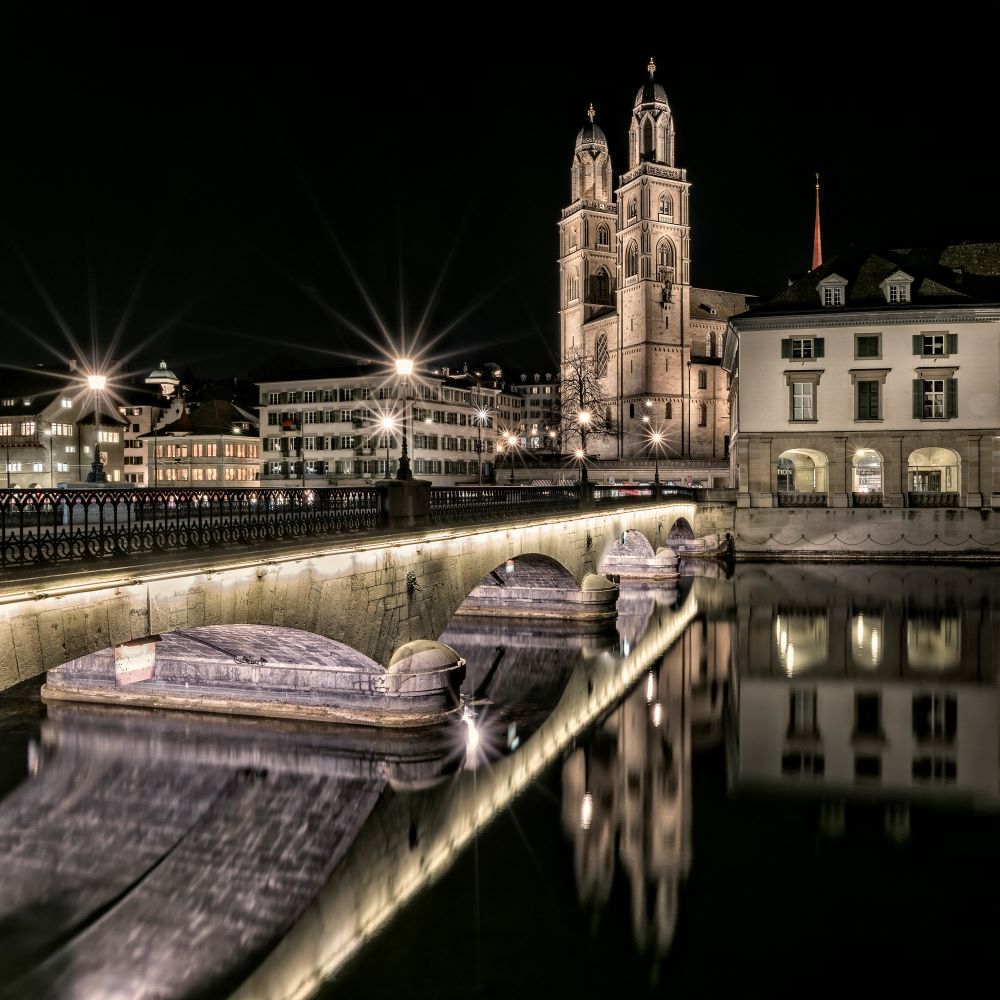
column 817, row 242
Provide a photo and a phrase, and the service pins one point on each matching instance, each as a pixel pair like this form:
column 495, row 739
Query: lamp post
column 96, row 384
column 404, row 368
column 482, row 415
column 511, row 440
column 580, row 456
column 656, row 439
column 388, row 425
column 583, row 419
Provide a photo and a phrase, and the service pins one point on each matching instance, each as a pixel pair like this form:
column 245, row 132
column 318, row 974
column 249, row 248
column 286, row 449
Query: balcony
column 932, row 500
column 801, row 499
column 866, row 499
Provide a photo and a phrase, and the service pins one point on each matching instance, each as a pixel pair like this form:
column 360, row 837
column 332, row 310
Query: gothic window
column 632, row 261
column 668, row 410
column 631, row 411
column 702, row 378
column 666, row 206
column 573, row 289
column 603, row 237
column 702, row 415
column 648, row 146
column 632, row 210
column 665, row 260
column 601, row 355
column 600, row 288
column 711, row 345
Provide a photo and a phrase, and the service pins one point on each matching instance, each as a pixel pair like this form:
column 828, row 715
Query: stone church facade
column 626, row 297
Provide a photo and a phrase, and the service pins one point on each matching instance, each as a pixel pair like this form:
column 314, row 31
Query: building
column 627, row 304
column 872, row 381
column 48, row 428
column 211, row 443
column 531, row 411
column 344, row 426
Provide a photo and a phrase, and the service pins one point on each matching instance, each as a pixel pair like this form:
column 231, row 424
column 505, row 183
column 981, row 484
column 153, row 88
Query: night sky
column 239, row 183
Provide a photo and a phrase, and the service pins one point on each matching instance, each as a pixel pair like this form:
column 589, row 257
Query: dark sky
column 241, row 182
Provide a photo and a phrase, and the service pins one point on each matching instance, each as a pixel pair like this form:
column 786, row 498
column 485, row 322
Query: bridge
column 288, row 848
column 373, row 568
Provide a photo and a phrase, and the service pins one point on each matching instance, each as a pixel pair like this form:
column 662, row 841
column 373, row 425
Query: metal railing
column 54, row 526
column 455, row 504
column 59, row 526
column 801, row 499
column 929, row 499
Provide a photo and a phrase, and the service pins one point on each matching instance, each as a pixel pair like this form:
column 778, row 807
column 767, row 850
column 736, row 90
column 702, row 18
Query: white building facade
column 345, row 427
column 873, row 381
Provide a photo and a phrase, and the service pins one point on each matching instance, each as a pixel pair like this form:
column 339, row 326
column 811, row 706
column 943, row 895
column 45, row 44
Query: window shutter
column 918, row 398
column 818, row 344
column 786, row 347
column 918, row 344
column 952, row 343
column 951, row 391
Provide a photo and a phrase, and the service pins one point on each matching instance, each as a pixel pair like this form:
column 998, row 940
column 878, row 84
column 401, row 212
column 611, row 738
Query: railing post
column 406, row 503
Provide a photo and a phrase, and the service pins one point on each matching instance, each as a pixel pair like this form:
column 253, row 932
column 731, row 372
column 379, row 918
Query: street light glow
column 584, row 417
column 404, row 367
column 388, row 423
column 97, row 382
column 579, row 453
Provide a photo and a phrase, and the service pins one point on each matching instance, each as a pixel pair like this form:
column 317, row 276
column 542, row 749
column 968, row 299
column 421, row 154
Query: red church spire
column 817, row 242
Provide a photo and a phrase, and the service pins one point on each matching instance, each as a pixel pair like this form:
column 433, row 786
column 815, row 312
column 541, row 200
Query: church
column 649, row 341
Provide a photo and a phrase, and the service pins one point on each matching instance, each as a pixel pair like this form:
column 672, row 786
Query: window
column 13, row 466
column 665, row 260
column 62, row 467
column 62, row 430
column 867, row 766
column 935, row 344
column 600, row 285
column 6, row 428
column 702, row 415
column 309, row 417
column 632, row 262
column 631, row 411
column 27, row 427
column 802, row 762
column 833, row 296
column 702, row 378
column 802, row 712
column 933, row 399
column 802, row 401
column 936, row 769
column 573, row 286
column 601, row 356
column 868, row 716
column 309, row 396
column 273, row 398
column 868, row 392
column 868, row 345
column 800, row 348
column 668, row 410
column 385, row 392
column 347, row 441
column 632, row 210
column 935, row 717
column 603, row 237
column 110, row 437
column 71, row 449
column 899, row 292
column 666, row 208
column 66, row 403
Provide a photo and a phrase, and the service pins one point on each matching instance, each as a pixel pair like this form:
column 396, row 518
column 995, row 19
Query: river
column 784, row 779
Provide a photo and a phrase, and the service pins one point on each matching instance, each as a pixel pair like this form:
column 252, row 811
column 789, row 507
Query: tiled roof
column 967, row 274
column 217, row 416
column 710, row 303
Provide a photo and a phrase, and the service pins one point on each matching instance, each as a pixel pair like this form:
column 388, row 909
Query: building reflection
column 627, row 784
column 867, row 685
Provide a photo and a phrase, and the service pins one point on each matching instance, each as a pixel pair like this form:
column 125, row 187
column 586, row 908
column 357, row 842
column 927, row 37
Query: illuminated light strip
column 347, row 914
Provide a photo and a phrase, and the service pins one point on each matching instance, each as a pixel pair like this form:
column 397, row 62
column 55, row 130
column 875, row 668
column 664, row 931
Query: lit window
column 899, row 293
column 802, row 401
column 66, row 403
column 832, row 297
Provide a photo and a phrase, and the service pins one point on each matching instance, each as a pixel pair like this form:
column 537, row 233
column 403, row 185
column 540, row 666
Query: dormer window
column 832, row 290
column 896, row 288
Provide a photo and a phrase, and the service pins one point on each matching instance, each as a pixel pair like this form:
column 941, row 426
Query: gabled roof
column 963, row 275
column 217, row 416
column 710, row 303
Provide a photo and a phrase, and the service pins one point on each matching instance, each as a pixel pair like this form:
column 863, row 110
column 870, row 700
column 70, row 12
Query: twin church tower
column 626, row 299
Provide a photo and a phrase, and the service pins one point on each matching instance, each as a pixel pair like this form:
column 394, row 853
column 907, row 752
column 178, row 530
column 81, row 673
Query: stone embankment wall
column 900, row 534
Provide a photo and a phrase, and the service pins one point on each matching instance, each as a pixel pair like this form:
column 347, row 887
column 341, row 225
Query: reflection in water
column 175, row 856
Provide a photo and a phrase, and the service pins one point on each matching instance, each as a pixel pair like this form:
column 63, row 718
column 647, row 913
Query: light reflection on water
column 167, row 855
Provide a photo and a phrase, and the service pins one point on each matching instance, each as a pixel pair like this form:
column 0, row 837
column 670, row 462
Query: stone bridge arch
column 369, row 592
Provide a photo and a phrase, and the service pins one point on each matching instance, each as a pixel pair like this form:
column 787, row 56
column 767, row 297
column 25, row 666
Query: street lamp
column 388, row 426
column 583, row 418
column 96, row 384
column 404, row 369
column 656, row 439
column 482, row 416
column 511, row 440
column 168, row 382
column 580, row 456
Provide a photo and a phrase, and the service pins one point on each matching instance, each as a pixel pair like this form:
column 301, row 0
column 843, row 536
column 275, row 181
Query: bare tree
column 584, row 402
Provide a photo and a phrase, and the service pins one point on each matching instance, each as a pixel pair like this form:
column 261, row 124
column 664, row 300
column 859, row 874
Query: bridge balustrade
column 57, row 526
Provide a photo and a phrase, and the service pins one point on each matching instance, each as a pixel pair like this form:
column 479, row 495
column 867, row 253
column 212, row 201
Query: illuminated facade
column 626, row 299
column 344, row 426
column 871, row 382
